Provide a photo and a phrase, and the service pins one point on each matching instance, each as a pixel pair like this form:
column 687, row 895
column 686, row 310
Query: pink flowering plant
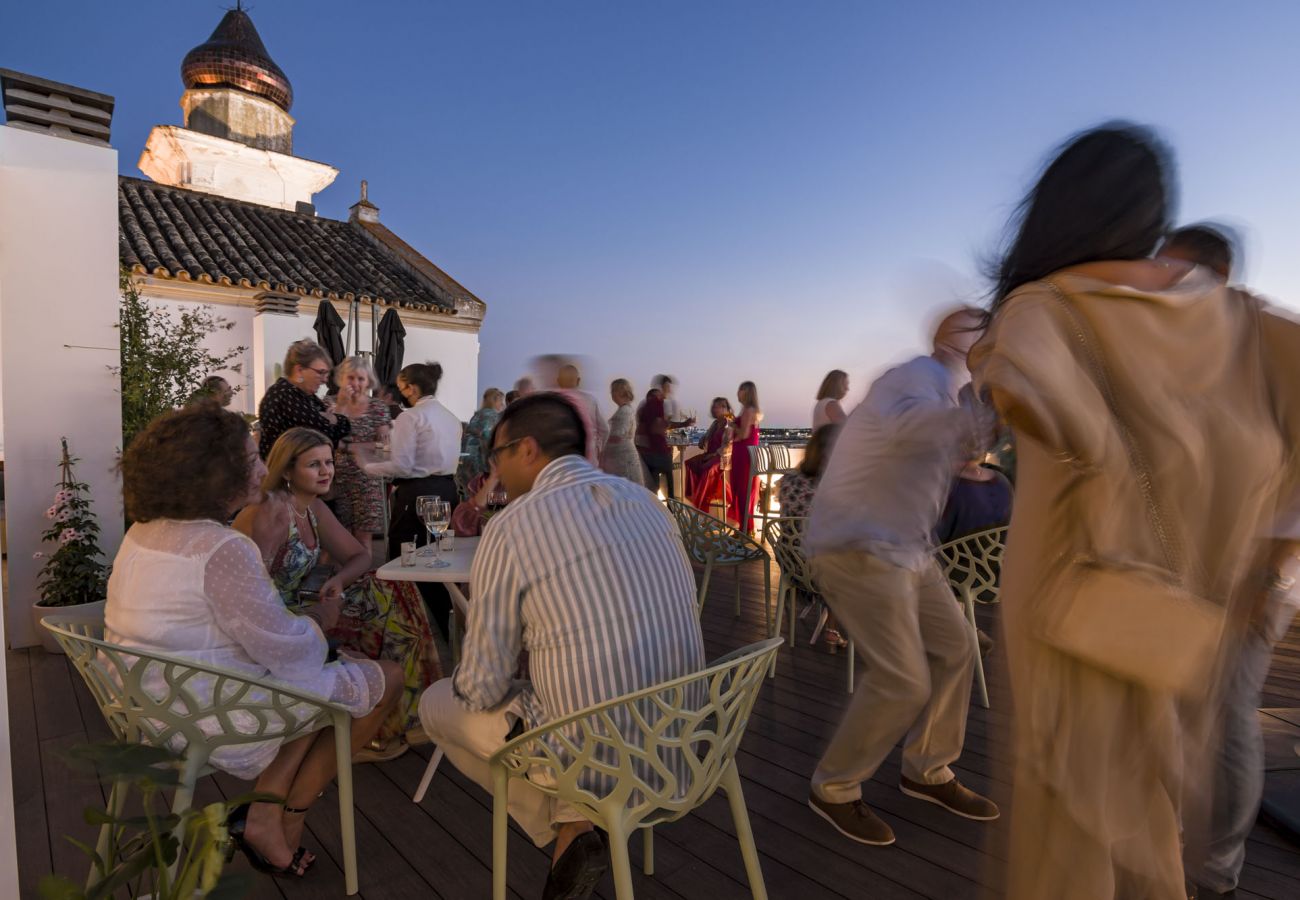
column 74, row 572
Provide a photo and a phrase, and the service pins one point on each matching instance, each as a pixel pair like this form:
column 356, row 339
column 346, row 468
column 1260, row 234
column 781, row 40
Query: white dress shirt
column 425, row 441
column 887, row 479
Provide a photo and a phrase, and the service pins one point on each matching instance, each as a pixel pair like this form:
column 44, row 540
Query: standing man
column 870, row 542
column 1216, row 849
column 586, row 572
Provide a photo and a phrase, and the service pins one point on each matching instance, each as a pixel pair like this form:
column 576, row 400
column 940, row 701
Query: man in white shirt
column 586, row 572
column 870, row 542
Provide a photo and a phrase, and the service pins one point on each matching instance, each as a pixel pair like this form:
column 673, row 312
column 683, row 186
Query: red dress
column 704, row 472
column 743, row 484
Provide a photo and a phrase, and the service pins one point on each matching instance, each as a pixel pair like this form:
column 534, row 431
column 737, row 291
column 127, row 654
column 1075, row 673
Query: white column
column 58, row 339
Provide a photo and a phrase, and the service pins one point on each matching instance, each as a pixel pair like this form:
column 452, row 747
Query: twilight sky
column 723, row 190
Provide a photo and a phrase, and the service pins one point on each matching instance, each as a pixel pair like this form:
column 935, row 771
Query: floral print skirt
column 388, row 620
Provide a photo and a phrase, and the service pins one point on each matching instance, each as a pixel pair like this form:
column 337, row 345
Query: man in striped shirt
column 586, row 573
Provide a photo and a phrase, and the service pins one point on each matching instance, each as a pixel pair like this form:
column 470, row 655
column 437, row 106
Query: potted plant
column 152, row 852
column 74, row 574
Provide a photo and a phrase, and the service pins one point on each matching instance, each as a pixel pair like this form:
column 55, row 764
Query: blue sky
column 723, row 190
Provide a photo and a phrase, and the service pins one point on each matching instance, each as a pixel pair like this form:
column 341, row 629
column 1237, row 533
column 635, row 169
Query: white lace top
column 200, row 590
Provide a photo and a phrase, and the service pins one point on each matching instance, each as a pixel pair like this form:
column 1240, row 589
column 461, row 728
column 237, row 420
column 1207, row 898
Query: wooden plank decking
column 442, row 848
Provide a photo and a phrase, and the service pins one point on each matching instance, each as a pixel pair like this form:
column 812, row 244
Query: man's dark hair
column 1204, row 244
column 549, row 419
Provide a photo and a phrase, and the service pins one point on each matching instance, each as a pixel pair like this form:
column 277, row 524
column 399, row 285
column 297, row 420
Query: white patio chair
column 642, row 759
column 712, row 542
column 785, row 536
column 971, row 565
column 766, row 461
column 116, row 677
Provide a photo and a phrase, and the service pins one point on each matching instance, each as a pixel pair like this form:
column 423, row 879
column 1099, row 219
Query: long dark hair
column 1109, row 193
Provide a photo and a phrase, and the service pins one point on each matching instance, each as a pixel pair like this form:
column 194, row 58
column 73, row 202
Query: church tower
column 237, row 140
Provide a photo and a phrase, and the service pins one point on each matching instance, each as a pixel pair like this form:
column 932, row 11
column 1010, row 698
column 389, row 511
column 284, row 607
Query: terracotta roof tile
column 173, row 233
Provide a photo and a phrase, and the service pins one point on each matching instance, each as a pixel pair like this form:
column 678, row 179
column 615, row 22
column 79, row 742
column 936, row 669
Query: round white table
column 461, row 560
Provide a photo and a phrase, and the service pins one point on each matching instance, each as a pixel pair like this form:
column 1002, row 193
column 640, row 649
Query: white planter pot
column 93, row 611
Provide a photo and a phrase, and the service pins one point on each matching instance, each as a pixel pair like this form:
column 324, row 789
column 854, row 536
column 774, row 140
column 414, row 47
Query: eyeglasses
column 323, row 373
column 495, row 453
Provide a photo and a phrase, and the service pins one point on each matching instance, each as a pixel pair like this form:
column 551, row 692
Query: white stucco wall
column 222, row 342
column 58, row 309
column 58, row 312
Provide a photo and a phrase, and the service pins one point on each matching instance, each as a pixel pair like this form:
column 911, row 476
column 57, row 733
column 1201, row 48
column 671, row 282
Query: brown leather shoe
column 854, row 820
column 952, row 796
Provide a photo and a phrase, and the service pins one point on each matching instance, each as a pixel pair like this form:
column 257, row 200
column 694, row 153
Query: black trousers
column 660, row 464
column 405, row 524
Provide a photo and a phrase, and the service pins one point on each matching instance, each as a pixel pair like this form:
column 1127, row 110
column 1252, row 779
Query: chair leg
column 730, row 782
column 704, row 587
column 107, row 842
column 767, row 594
column 347, row 813
column 736, row 573
column 184, row 797
column 619, row 860
column 969, row 603
column 429, row 770
column 851, row 664
column 648, row 851
column 500, row 830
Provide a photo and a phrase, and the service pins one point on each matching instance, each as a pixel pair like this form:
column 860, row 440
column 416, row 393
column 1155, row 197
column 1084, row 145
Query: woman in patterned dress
column 478, row 436
column 359, row 498
column 619, row 456
column 379, row 619
column 292, row 402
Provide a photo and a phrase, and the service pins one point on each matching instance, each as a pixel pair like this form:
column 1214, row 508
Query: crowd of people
column 1131, row 415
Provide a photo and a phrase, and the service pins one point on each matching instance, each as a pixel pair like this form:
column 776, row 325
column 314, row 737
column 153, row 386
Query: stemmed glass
column 420, row 504
column 437, row 516
column 496, row 501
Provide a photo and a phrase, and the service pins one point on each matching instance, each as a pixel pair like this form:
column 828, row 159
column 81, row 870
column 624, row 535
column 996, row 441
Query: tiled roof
column 173, row 233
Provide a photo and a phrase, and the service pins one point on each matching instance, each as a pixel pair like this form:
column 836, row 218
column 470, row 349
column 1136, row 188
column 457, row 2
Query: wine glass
column 496, row 501
column 420, row 504
column 437, row 516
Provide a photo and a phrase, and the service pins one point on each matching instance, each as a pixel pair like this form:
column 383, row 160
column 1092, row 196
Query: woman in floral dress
column 378, row 619
column 359, row 498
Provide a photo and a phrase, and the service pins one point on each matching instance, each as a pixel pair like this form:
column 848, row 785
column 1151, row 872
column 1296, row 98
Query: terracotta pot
column 93, row 611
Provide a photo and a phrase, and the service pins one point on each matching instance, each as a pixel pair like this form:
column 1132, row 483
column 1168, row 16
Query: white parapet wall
column 58, row 342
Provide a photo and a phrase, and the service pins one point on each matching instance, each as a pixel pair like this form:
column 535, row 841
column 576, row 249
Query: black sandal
column 235, row 823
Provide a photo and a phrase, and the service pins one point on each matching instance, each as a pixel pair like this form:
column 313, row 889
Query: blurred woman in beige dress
column 1209, row 384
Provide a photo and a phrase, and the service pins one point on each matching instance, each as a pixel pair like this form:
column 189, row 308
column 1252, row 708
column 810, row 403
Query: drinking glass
column 496, row 501
column 437, row 515
column 420, row 504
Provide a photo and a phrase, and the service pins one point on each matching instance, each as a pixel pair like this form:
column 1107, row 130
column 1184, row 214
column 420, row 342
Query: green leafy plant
column 164, row 356
column 75, row 573
column 144, row 847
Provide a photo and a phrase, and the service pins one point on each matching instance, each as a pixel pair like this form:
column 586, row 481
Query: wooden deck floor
column 442, row 848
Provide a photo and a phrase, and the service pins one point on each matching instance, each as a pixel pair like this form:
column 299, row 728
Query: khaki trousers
column 470, row 738
column 919, row 653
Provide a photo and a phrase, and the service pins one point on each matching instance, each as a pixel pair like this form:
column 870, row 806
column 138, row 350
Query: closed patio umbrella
column 329, row 332
column 391, row 348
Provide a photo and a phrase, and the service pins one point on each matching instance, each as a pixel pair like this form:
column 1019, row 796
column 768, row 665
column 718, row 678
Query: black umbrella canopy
column 391, row 349
column 329, row 332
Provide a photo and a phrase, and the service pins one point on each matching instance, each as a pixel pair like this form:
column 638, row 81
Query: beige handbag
column 1138, row 623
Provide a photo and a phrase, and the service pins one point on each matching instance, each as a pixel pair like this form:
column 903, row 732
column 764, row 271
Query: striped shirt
column 587, row 573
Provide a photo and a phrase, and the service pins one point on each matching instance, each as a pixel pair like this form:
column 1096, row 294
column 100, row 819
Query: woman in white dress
column 186, row 584
column 827, row 410
column 620, row 456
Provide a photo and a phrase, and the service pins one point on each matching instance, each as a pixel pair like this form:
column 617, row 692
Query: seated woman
column 380, row 619
column 184, row 583
column 704, row 472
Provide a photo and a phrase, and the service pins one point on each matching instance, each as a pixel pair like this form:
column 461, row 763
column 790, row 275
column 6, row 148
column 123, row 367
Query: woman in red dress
column 744, row 485
column 704, row 472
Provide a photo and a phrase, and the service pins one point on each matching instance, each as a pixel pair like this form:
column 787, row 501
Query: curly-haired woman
column 186, row 584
